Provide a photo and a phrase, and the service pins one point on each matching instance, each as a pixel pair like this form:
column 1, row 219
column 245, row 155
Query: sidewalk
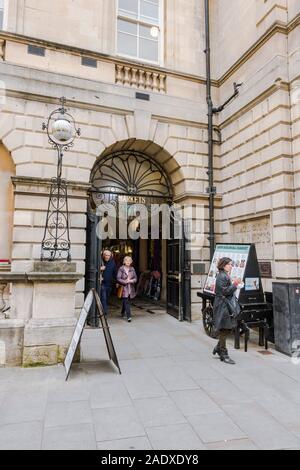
column 172, row 394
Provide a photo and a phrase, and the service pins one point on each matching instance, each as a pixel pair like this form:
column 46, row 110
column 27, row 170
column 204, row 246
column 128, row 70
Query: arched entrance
column 132, row 178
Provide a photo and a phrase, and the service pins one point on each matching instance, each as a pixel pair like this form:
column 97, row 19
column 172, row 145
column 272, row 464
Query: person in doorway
column 127, row 278
column 108, row 271
column 224, row 320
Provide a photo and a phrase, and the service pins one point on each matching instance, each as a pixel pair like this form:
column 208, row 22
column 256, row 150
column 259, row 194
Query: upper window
column 1, row 13
column 139, row 29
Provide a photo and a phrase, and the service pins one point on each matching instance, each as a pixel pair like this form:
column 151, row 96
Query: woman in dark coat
column 127, row 278
column 223, row 320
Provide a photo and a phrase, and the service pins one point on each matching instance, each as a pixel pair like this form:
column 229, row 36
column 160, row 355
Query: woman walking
column 127, row 278
column 225, row 308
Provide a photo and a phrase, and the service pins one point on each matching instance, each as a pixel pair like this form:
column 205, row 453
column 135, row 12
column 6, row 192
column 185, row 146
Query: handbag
column 233, row 306
column 120, row 292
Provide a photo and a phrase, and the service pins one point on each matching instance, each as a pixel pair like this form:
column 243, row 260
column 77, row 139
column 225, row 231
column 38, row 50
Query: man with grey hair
column 108, row 270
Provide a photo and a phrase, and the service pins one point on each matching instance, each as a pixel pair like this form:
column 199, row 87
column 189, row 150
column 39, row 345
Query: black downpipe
column 211, row 189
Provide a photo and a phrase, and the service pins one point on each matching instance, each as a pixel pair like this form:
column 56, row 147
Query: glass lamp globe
column 62, row 130
column 154, row 31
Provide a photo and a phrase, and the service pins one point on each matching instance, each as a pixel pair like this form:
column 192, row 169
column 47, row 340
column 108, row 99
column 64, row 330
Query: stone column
column 11, row 329
column 49, row 331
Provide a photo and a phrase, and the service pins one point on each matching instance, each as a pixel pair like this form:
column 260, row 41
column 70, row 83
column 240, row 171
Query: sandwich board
column 245, row 269
column 75, row 341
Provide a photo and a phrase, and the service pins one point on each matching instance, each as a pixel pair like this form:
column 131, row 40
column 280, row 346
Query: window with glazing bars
column 139, row 29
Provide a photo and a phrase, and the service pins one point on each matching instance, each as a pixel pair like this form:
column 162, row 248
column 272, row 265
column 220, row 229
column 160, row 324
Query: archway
column 133, row 173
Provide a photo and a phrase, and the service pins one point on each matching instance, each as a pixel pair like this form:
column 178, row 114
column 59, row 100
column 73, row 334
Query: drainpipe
column 211, row 190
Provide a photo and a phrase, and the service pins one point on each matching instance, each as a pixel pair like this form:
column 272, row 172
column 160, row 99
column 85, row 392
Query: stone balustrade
column 140, row 78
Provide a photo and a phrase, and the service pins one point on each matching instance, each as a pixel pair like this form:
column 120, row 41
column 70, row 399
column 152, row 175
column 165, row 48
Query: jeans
column 104, row 296
column 126, row 306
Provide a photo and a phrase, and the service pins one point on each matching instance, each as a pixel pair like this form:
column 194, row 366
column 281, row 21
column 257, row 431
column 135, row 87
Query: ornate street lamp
column 62, row 131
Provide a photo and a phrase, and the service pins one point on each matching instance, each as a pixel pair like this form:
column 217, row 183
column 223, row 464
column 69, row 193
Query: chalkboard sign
column 80, row 327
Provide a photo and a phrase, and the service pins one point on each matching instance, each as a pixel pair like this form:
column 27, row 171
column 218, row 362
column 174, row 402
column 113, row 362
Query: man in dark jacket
column 109, row 273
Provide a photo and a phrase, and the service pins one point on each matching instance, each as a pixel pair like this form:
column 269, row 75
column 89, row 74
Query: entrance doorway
column 134, row 180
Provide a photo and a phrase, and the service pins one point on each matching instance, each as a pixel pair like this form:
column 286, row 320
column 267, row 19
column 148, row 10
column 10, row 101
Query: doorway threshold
column 153, row 307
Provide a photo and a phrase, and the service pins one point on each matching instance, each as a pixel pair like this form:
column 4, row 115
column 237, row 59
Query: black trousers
column 223, row 338
column 126, row 306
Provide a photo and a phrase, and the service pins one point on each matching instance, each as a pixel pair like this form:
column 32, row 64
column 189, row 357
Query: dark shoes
column 217, row 350
column 129, row 320
column 224, row 357
column 223, row 354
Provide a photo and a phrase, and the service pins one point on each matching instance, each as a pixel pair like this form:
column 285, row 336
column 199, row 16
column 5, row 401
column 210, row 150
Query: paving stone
column 241, row 444
column 174, row 378
column 133, row 443
column 110, row 395
column 2, row 396
column 143, row 385
column 180, row 436
column 199, row 370
column 165, row 389
column 158, row 412
column 250, row 385
column 223, row 392
column 68, row 413
column 134, row 365
column 68, row 392
column 261, row 427
column 117, row 423
column 194, row 402
column 154, row 363
column 288, row 369
column 23, row 406
column 283, row 385
column 284, row 411
column 5, row 385
column 215, row 427
column 21, row 436
column 71, row 437
column 98, row 372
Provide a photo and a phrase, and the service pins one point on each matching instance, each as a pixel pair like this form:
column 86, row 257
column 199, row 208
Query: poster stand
column 76, row 338
column 245, row 269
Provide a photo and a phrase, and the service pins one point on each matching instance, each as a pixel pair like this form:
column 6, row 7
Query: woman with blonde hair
column 127, row 278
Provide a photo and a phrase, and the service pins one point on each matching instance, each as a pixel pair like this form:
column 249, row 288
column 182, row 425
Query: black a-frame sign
column 92, row 295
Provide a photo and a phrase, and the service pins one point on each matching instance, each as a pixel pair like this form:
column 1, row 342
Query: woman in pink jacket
column 127, row 278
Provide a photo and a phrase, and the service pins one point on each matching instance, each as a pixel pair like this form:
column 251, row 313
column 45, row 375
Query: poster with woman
column 238, row 254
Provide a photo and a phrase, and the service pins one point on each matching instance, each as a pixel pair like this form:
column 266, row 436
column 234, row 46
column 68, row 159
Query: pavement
column 172, row 394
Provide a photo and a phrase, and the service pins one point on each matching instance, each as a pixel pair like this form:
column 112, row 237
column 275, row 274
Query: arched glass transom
column 130, row 173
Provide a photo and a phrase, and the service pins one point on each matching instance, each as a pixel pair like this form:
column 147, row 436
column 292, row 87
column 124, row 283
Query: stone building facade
column 76, row 49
